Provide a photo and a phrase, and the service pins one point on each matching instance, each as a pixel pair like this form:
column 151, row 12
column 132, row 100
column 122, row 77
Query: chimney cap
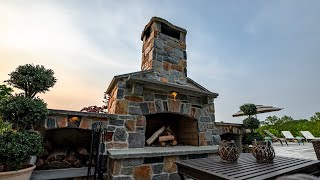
column 158, row 19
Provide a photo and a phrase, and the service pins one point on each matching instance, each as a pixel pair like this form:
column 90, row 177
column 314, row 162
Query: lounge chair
column 309, row 136
column 316, row 147
column 275, row 138
column 289, row 136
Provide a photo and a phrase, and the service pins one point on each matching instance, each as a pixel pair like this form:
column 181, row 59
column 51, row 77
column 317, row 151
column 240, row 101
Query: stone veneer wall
column 143, row 101
column 73, row 119
column 165, row 54
column 155, row 168
column 123, row 131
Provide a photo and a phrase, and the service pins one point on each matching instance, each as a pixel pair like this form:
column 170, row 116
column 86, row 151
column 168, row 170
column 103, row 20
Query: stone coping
column 160, row 151
column 79, row 113
column 228, row 124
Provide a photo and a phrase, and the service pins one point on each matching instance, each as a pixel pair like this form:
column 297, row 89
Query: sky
column 261, row 52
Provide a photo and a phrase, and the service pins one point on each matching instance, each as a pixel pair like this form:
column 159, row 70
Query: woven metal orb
column 228, row 151
column 263, row 152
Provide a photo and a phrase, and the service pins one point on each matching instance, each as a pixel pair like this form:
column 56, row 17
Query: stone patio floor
column 295, row 150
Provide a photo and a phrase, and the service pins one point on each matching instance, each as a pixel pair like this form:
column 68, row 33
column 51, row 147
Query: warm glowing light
column 174, row 94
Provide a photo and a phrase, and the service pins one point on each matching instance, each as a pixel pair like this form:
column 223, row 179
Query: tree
column 5, row 91
column 32, row 79
column 316, row 117
column 284, row 119
column 271, row 120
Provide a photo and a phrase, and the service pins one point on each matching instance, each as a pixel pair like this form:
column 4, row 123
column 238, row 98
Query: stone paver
column 295, row 150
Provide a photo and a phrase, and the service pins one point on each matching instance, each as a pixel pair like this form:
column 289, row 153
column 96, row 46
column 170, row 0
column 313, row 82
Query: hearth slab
column 60, row 173
column 160, row 151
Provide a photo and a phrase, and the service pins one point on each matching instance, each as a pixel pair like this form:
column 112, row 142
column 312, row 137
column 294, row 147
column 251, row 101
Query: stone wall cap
column 79, row 113
column 158, row 19
column 228, row 124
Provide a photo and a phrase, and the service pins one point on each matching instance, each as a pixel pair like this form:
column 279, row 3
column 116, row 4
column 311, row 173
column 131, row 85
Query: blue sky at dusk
column 262, row 52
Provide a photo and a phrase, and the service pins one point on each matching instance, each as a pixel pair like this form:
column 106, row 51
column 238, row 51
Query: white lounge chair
column 275, row 138
column 309, row 136
column 289, row 136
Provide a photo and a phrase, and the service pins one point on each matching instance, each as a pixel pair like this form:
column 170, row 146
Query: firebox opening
column 181, row 128
column 65, row 148
column 69, row 137
column 165, row 29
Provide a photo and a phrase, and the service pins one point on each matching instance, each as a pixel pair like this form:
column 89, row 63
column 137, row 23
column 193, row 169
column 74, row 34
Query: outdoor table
column 245, row 168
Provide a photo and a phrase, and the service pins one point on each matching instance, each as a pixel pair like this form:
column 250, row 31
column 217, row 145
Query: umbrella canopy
column 260, row 109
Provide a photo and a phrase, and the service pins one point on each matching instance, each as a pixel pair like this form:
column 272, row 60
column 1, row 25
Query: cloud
column 45, row 34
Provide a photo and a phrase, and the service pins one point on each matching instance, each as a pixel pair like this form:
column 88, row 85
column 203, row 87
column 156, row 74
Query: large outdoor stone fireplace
column 159, row 102
column 155, row 116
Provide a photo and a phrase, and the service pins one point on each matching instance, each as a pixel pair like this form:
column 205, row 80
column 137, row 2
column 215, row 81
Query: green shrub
column 23, row 111
column 17, row 147
column 251, row 123
column 248, row 138
column 4, row 126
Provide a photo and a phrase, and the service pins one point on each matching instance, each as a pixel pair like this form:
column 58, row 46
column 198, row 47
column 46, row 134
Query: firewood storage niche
column 65, row 148
column 171, row 129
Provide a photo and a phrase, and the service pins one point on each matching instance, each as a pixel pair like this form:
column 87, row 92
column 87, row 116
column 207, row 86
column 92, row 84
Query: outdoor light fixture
column 174, row 94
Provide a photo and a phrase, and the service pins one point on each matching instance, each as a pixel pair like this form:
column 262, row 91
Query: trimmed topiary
column 249, row 109
column 22, row 111
column 251, row 123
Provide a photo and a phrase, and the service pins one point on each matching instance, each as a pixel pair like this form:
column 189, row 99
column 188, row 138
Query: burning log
column 155, row 136
column 166, row 138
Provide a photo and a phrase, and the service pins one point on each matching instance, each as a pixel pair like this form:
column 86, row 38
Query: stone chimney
column 164, row 51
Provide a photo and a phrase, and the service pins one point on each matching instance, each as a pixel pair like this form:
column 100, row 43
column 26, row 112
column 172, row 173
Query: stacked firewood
column 62, row 158
column 164, row 136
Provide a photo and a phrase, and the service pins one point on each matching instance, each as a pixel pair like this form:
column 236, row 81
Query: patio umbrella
column 260, row 109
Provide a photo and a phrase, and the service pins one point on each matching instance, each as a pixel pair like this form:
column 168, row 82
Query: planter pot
column 22, row 174
column 263, row 152
column 228, row 151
